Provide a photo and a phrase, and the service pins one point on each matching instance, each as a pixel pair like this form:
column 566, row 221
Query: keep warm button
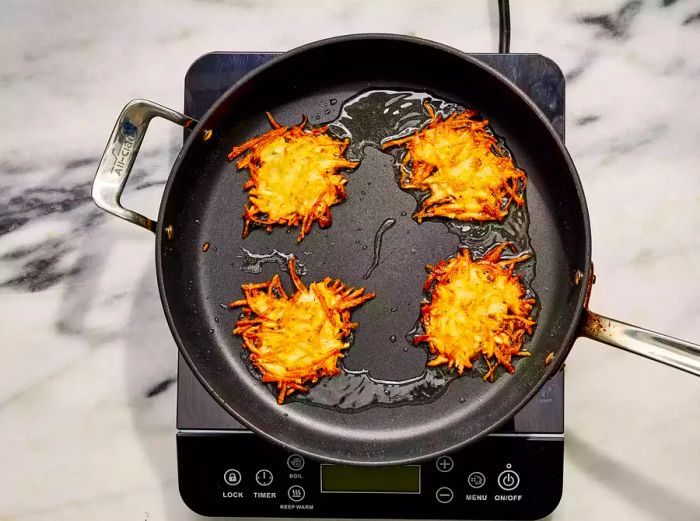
column 296, row 493
column 508, row 479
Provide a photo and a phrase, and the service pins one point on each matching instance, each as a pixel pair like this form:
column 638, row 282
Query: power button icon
column 508, row 479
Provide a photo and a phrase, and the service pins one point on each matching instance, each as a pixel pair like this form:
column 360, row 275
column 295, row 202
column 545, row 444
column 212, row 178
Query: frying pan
column 203, row 200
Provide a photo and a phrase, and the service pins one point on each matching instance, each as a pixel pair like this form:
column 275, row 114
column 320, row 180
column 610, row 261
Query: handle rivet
column 207, row 135
column 578, row 276
column 169, row 231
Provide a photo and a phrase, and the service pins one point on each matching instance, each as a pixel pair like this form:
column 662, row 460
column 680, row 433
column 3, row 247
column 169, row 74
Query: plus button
column 444, row 464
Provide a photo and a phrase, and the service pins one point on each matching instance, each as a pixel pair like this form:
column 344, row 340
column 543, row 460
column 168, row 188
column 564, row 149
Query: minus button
column 444, row 495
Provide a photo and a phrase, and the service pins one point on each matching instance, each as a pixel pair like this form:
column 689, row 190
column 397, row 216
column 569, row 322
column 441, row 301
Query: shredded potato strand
column 294, row 177
column 476, row 308
column 298, row 339
column 462, row 166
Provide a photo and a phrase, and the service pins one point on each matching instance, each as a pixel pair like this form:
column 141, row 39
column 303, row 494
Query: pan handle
column 655, row 346
column 120, row 154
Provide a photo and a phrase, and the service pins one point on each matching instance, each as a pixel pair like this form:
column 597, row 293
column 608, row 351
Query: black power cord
column 503, row 26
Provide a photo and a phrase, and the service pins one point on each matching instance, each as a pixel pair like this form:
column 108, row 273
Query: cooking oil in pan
column 352, row 391
column 376, row 116
column 377, row 253
column 253, row 262
column 368, row 120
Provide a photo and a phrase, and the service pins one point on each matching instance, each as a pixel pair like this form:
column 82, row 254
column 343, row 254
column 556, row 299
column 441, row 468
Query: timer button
column 444, row 464
column 232, row 477
column 444, row 495
column 263, row 477
column 296, row 493
column 295, row 462
column 508, row 479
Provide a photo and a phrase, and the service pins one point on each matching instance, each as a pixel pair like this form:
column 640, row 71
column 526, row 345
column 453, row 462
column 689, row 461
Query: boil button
column 295, row 462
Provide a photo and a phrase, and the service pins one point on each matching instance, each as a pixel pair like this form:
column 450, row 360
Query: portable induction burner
column 225, row 469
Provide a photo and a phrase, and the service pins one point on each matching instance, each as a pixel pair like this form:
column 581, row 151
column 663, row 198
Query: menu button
column 476, row 480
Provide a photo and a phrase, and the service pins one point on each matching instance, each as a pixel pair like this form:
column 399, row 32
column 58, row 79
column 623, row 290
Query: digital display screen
column 400, row 479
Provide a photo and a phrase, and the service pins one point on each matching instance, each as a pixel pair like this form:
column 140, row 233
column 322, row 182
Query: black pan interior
column 203, row 202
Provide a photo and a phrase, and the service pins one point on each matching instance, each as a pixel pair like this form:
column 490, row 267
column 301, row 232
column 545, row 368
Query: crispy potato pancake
column 298, row 339
column 476, row 308
column 467, row 172
column 294, row 177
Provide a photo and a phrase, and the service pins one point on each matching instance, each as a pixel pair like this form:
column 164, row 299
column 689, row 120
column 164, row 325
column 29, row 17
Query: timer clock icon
column 263, row 477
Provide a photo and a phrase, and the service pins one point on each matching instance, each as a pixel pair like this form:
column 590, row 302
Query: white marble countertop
column 82, row 440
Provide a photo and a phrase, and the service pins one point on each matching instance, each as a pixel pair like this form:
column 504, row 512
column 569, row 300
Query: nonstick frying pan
column 202, row 203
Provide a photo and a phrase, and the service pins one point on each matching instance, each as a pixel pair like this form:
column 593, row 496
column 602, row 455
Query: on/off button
column 508, row 479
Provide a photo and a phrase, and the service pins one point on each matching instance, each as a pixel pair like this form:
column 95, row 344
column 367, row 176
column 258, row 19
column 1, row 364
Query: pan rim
column 569, row 337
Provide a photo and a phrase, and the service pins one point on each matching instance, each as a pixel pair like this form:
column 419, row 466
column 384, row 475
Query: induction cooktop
column 224, row 469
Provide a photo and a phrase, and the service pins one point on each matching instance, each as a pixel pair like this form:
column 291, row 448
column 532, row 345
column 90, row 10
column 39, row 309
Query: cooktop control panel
column 240, row 474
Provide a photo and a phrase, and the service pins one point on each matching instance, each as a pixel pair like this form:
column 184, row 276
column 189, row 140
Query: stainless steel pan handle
column 120, row 154
column 655, row 346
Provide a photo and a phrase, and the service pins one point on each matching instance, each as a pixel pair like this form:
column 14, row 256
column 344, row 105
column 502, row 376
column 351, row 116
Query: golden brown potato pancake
column 467, row 172
column 294, row 177
column 476, row 308
column 298, row 339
